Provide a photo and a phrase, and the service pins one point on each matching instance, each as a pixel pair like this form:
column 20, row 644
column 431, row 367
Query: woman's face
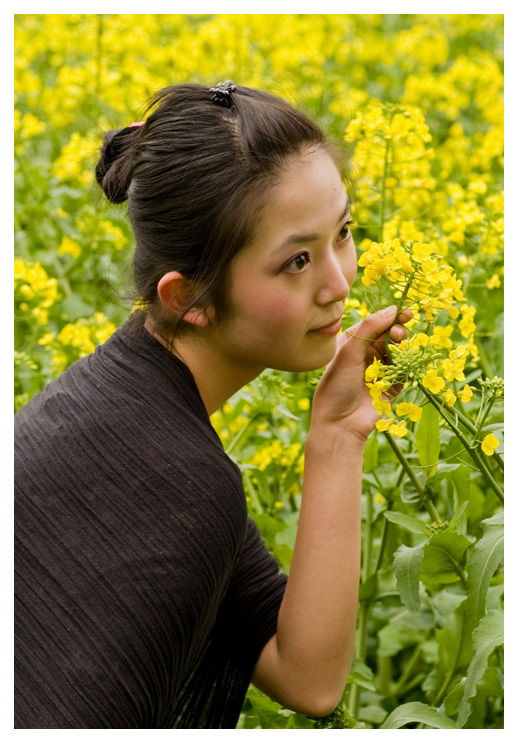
column 295, row 276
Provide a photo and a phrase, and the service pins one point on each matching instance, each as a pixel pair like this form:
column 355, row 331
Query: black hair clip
column 222, row 93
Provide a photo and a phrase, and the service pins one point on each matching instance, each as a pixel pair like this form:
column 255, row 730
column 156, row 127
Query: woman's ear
column 176, row 292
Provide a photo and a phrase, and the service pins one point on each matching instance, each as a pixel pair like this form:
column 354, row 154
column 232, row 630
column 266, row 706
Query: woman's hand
column 342, row 400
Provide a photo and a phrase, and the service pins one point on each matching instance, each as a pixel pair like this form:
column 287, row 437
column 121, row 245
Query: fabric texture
column 143, row 591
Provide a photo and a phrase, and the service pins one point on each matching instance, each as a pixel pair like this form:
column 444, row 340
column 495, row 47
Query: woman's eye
column 345, row 232
column 298, row 263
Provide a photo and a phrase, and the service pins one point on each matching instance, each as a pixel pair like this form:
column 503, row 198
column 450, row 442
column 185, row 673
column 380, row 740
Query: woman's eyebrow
column 295, row 239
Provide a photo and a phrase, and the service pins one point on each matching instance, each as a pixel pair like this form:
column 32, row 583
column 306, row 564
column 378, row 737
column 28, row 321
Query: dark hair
column 197, row 176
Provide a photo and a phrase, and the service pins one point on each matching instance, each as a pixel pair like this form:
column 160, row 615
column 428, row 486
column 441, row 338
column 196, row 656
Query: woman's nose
column 334, row 285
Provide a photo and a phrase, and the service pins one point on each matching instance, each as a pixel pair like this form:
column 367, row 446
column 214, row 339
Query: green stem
column 412, row 683
column 361, row 645
column 253, row 493
column 384, row 538
column 361, row 637
column 368, row 538
column 472, row 429
column 398, row 312
column 409, row 668
column 434, row 515
column 385, row 674
column 484, row 416
column 471, row 451
column 239, row 434
column 447, row 681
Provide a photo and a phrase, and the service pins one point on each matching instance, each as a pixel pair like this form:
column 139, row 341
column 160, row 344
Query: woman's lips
column 332, row 329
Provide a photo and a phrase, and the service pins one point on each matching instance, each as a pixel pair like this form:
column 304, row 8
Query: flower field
column 417, row 101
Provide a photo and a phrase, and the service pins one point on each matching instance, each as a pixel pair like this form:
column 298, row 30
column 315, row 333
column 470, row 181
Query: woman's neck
column 216, row 377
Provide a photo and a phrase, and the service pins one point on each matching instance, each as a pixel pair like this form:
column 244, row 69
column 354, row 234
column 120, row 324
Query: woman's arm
column 305, row 664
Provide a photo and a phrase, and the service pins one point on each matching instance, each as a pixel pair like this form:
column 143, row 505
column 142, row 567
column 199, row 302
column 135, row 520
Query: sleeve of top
column 247, row 617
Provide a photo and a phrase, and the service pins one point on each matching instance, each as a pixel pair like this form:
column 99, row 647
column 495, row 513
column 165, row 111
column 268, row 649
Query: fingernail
column 389, row 311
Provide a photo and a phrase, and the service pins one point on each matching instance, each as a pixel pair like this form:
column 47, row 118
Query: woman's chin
column 312, row 362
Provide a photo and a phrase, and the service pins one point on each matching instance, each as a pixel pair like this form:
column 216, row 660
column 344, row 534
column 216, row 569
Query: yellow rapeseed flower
column 489, row 444
column 465, row 394
column 69, row 247
column 398, row 429
column 449, row 397
column 432, row 381
column 494, row 282
column 414, row 412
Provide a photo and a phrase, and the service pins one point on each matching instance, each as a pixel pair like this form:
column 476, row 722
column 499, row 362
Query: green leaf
column 488, row 635
column 427, row 438
column 411, row 523
column 449, row 639
column 417, row 712
column 442, row 557
column 361, row 675
column 457, row 517
column 407, row 565
column 372, row 713
column 394, row 637
column 485, row 558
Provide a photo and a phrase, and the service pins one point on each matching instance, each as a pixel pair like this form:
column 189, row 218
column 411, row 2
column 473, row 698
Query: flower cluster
column 76, row 340
column 392, row 145
column 35, row 292
column 419, row 363
column 414, row 275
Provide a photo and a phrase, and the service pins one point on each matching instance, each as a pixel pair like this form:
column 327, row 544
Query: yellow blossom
column 398, row 429
column 494, row 282
column 70, row 247
column 432, row 381
column 449, row 397
column 465, row 394
column 441, row 337
column 453, row 370
column 414, row 412
column 489, row 444
column 372, row 371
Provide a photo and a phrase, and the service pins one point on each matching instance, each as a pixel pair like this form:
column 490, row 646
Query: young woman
column 145, row 597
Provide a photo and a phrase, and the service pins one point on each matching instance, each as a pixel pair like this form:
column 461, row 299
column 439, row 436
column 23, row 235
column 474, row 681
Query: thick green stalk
column 480, row 424
column 361, row 645
column 434, row 515
column 361, row 637
column 384, row 536
column 471, row 451
column 368, row 537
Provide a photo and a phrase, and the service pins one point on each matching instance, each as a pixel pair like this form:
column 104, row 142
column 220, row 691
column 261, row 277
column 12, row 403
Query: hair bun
column 115, row 166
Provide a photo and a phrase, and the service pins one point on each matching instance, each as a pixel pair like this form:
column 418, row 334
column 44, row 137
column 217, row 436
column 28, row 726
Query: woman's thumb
column 369, row 329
